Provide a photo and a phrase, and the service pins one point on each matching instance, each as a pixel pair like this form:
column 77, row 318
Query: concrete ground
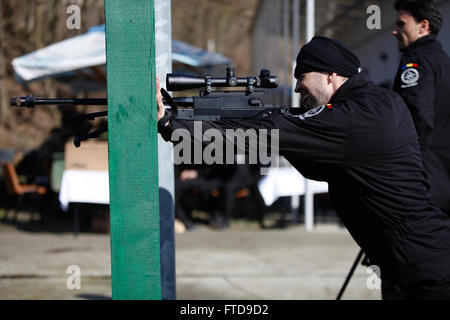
column 243, row 262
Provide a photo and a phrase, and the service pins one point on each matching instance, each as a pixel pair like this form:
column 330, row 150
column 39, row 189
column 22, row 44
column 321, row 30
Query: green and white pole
column 133, row 150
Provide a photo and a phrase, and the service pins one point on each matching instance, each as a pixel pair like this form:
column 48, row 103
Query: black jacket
column 423, row 81
column 365, row 146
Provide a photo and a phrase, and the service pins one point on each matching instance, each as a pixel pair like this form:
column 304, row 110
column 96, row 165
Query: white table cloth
column 286, row 182
column 83, row 186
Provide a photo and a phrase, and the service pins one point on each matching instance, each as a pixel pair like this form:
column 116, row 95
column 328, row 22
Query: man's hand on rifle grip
column 159, row 100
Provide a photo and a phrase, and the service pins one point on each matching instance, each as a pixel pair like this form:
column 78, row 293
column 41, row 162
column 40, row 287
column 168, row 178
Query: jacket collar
column 353, row 83
column 422, row 41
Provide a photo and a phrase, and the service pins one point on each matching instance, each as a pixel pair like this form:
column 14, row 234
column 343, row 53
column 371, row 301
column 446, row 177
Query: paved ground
column 243, row 262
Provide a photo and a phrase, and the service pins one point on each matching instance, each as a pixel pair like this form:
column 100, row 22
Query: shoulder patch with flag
column 410, row 75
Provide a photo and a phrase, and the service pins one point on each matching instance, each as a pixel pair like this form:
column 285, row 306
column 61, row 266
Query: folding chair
column 18, row 190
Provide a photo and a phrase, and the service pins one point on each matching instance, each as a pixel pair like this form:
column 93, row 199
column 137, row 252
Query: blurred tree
column 26, row 25
column 224, row 23
column 3, row 89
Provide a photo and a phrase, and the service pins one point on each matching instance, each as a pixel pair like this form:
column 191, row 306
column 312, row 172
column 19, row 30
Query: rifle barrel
column 30, row 101
column 87, row 102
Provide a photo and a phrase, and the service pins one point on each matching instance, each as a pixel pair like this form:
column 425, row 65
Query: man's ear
column 424, row 27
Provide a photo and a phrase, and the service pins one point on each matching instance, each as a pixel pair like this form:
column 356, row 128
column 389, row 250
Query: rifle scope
column 180, row 82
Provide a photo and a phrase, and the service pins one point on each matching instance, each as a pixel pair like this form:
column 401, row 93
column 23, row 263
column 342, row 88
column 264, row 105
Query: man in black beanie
column 360, row 138
column 320, row 60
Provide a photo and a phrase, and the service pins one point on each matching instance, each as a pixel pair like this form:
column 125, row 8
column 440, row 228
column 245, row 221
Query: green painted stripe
column 133, row 149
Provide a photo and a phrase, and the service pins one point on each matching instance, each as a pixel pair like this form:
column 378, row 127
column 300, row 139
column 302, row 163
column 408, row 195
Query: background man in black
column 423, row 81
column 361, row 139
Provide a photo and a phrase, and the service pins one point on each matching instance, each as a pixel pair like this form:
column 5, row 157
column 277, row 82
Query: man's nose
column 395, row 32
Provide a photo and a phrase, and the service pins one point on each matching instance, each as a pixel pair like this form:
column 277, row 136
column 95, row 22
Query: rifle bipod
column 352, row 270
column 29, row 101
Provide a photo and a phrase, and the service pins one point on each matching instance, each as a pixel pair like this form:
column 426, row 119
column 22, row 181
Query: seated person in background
column 36, row 164
column 200, row 183
column 242, row 181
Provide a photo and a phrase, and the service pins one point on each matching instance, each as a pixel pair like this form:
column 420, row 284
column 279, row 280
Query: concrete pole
column 295, row 98
column 163, row 60
column 309, row 197
column 310, row 19
column 285, row 52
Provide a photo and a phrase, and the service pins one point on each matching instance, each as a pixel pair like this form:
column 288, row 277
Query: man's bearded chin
column 309, row 102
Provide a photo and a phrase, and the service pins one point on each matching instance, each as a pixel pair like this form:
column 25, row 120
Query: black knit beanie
column 325, row 54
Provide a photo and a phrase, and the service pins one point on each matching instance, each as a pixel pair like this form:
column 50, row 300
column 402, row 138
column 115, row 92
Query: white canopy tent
column 85, row 55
